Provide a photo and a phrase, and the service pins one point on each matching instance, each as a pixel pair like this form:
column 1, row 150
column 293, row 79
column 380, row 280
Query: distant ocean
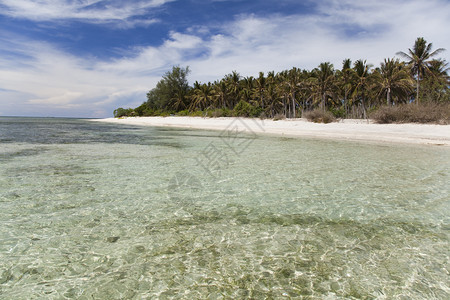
column 100, row 211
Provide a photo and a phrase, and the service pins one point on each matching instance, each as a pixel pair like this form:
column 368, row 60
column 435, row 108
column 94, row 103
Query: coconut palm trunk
column 418, row 86
column 293, row 104
column 388, row 97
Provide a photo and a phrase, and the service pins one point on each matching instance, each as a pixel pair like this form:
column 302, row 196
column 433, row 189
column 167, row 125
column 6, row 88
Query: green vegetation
column 321, row 95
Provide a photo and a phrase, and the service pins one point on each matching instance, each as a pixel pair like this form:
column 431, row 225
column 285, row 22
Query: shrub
column 142, row 110
column 338, row 112
column 163, row 113
column 196, row 113
column 319, row 116
column 183, row 113
column 278, row 117
column 412, row 113
column 218, row 112
column 245, row 109
column 122, row 112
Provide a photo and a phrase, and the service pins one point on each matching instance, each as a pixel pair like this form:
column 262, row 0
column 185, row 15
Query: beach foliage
column 245, row 109
column 319, row 116
column 123, row 112
column 355, row 90
column 219, row 112
column 171, row 91
column 437, row 113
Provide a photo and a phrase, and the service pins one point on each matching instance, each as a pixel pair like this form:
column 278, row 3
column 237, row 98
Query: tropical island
column 412, row 91
column 357, row 101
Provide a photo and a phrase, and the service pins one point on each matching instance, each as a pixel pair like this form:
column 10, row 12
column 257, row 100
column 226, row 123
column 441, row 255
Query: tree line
column 351, row 91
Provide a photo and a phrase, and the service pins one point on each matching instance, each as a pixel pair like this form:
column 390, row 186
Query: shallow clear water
column 101, row 211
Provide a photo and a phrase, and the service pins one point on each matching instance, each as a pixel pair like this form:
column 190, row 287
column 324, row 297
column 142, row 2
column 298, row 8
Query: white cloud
column 63, row 100
column 252, row 44
column 95, row 11
column 182, row 41
column 52, row 82
column 46, row 79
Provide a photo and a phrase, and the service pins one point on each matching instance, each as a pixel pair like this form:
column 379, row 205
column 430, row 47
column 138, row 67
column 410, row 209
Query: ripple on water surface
column 133, row 213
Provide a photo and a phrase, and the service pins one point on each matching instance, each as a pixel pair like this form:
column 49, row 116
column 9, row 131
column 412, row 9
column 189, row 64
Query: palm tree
column 283, row 90
column 362, row 87
column 437, row 86
column 220, row 92
column 233, row 82
column 418, row 58
column 323, row 81
column 393, row 79
column 439, row 67
column 273, row 100
column 247, row 89
column 202, row 96
column 345, row 82
column 292, row 82
column 260, row 86
column 178, row 100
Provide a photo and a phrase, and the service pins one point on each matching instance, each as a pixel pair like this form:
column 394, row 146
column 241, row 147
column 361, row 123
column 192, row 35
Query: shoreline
column 347, row 129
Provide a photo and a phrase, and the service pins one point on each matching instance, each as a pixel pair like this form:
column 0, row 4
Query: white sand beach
column 353, row 130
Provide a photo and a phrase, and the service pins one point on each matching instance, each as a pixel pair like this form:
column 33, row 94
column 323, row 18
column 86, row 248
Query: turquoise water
column 100, row 211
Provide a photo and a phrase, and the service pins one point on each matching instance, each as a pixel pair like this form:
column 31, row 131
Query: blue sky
column 84, row 58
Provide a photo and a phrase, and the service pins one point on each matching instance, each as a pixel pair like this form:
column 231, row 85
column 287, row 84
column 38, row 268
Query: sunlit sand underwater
column 99, row 211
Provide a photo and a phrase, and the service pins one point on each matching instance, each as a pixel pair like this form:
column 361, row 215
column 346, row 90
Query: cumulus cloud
column 46, row 78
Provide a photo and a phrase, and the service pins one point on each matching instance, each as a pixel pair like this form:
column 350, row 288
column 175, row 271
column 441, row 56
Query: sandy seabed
column 353, row 130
